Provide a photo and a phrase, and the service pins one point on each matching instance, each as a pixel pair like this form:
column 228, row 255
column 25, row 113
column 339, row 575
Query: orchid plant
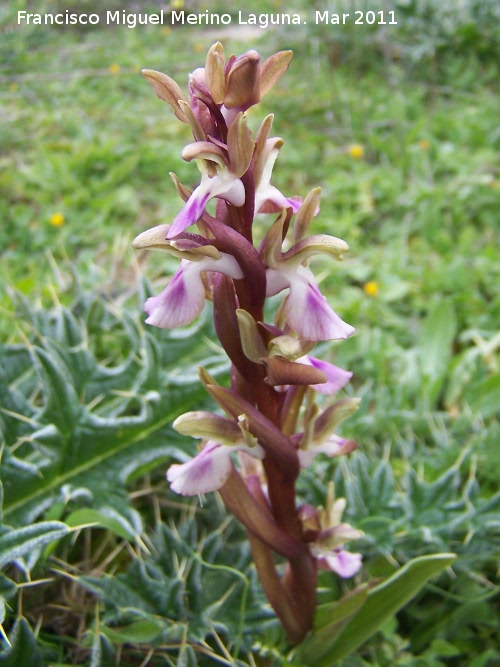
column 270, row 424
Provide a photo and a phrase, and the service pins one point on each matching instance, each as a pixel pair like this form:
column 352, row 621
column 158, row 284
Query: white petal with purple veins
column 331, row 447
column 208, row 470
column 184, row 297
column 337, row 377
column 204, row 473
column 223, row 185
column 344, row 563
column 308, row 312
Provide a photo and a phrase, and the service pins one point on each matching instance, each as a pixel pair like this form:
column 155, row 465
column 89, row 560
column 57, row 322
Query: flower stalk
column 270, row 421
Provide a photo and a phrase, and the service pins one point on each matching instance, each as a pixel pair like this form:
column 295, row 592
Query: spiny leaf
column 16, row 543
column 90, row 426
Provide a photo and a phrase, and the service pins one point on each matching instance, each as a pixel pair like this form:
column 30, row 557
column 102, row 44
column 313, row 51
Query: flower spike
column 273, row 422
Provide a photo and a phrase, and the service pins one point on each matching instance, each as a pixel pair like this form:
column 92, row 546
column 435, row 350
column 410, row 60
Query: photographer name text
column 204, row 19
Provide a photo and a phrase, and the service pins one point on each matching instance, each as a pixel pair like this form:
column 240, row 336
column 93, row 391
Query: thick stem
column 300, row 579
column 277, row 594
column 274, row 589
column 301, row 575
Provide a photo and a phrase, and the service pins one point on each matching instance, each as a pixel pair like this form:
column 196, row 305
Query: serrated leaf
column 88, row 425
column 62, row 406
column 21, row 541
column 382, row 602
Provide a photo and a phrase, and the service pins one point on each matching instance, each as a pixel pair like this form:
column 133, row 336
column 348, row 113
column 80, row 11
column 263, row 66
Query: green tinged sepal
column 214, row 72
column 168, row 91
column 282, row 371
column 320, row 244
column 240, row 145
column 243, row 81
column 305, row 214
column 187, row 248
column 201, row 424
column 251, row 341
column 273, row 241
column 326, row 423
column 269, row 436
column 272, row 69
column 260, row 152
column 198, row 133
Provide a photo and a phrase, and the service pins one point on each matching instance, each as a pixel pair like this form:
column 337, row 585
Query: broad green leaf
column 330, row 620
column 144, row 631
column 332, row 612
column 436, row 337
column 443, row 648
column 382, row 602
column 484, row 659
column 21, row 541
column 484, row 397
column 101, row 520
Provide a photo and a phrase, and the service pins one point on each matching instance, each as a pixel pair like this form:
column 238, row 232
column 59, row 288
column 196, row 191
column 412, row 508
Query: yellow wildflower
column 57, row 220
column 371, row 288
column 114, row 68
column 424, row 144
column 356, row 151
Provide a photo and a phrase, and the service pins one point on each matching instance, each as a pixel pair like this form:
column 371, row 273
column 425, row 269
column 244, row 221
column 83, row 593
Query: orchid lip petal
column 184, row 297
column 307, row 311
column 208, row 470
column 343, row 563
column 270, row 193
column 180, row 302
column 337, row 378
column 190, row 213
column 204, row 473
column 333, row 446
column 223, row 185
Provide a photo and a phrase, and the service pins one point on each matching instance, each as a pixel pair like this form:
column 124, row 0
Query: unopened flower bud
column 309, row 519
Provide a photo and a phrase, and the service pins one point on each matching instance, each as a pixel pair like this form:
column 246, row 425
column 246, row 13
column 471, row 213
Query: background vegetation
column 399, row 125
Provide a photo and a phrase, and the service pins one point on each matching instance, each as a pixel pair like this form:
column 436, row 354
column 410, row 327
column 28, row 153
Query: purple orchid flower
column 184, row 297
column 344, row 563
column 223, row 185
column 328, row 547
column 267, row 197
column 209, row 469
column 337, row 378
column 306, row 309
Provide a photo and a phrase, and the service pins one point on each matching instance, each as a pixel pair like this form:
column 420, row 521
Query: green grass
column 89, row 140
